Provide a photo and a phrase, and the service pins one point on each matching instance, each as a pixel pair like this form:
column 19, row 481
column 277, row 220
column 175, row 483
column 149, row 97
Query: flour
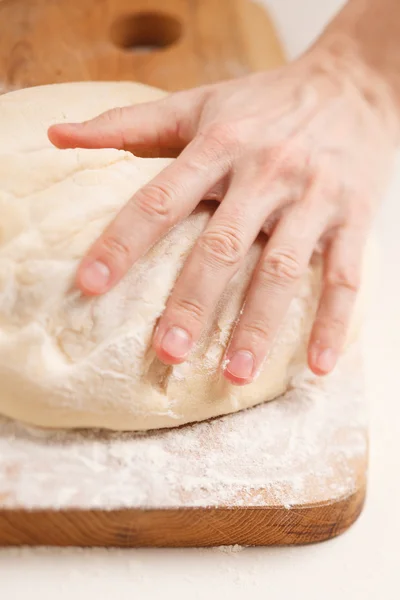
column 308, row 445
column 230, row 550
column 68, row 361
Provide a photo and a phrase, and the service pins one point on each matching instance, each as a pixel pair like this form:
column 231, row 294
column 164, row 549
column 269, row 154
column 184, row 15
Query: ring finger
column 283, row 262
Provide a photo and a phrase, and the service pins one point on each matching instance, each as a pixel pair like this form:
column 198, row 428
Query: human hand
column 301, row 152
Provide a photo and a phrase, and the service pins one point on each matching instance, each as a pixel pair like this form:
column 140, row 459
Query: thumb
column 167, row 123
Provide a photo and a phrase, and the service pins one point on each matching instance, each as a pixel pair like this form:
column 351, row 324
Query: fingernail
column 326, row 360
column 241, row 364
column 95, row 277
column 176, row 342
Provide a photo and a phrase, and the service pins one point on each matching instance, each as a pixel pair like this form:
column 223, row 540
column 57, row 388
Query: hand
column 301, row 152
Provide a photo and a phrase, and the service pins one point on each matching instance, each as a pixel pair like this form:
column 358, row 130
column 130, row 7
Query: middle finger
column 275, row 281
column 217, row 255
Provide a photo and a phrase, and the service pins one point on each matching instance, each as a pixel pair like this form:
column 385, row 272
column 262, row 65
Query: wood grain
column 184, row 527
column 196, row 41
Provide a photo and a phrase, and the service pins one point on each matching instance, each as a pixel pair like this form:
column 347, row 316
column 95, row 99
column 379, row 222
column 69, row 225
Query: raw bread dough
column 69, row 361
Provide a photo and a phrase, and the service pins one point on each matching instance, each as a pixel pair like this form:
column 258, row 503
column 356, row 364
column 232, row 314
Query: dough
column 70, row 361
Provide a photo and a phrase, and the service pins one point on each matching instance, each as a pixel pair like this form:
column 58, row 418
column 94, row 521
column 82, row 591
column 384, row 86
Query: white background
column 362, row 564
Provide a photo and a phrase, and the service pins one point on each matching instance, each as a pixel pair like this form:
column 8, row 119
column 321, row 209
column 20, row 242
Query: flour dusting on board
column 306, row 446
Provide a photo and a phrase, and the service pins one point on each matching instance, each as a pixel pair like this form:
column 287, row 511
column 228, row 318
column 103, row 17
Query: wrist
column 362, row 45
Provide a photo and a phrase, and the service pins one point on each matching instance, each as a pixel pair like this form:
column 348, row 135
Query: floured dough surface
column 70, row 361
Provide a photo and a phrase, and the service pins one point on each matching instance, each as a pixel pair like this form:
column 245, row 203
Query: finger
column 213, row 261
column 170, row 122
column 218, row 191
column 342, row 272
column 152, row 211
column 275, row 281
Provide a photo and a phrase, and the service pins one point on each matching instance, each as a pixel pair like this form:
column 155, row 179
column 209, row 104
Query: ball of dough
column 73, row 361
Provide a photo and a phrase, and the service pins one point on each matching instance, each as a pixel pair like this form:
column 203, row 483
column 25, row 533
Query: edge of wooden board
column 183, row 527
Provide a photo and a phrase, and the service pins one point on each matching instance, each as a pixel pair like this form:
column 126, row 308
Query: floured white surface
column 305, row 447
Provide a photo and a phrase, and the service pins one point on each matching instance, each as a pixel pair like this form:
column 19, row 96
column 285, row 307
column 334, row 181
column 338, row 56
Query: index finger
column 150, row 213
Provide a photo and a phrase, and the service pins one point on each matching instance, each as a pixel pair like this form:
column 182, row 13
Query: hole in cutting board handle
column 145, row 32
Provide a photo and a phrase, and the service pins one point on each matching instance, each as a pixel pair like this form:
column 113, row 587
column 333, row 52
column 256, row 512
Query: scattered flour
column 305, row 446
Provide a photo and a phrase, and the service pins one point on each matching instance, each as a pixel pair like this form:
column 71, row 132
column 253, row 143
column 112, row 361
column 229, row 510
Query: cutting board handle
column 173, row 45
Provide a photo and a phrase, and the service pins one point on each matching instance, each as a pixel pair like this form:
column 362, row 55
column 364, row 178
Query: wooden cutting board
column 170, row 44
column 292, row 471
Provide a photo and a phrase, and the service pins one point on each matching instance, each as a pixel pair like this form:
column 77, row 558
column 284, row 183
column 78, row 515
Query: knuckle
column 221, row 142
column 117, row 247
column 223, row 246
column 113, row 115
column 344, row 278
column 282, row 156
column 358, row 213
column 276, row 153
column 156, row 201
column 281, row 267
column 191, row 308
column 259, row 329
column 336, row 325
column 221, row 133
column 113, row 120
column 198, row 162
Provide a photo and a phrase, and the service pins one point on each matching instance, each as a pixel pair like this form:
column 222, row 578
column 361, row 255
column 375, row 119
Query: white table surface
column 362, row 564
